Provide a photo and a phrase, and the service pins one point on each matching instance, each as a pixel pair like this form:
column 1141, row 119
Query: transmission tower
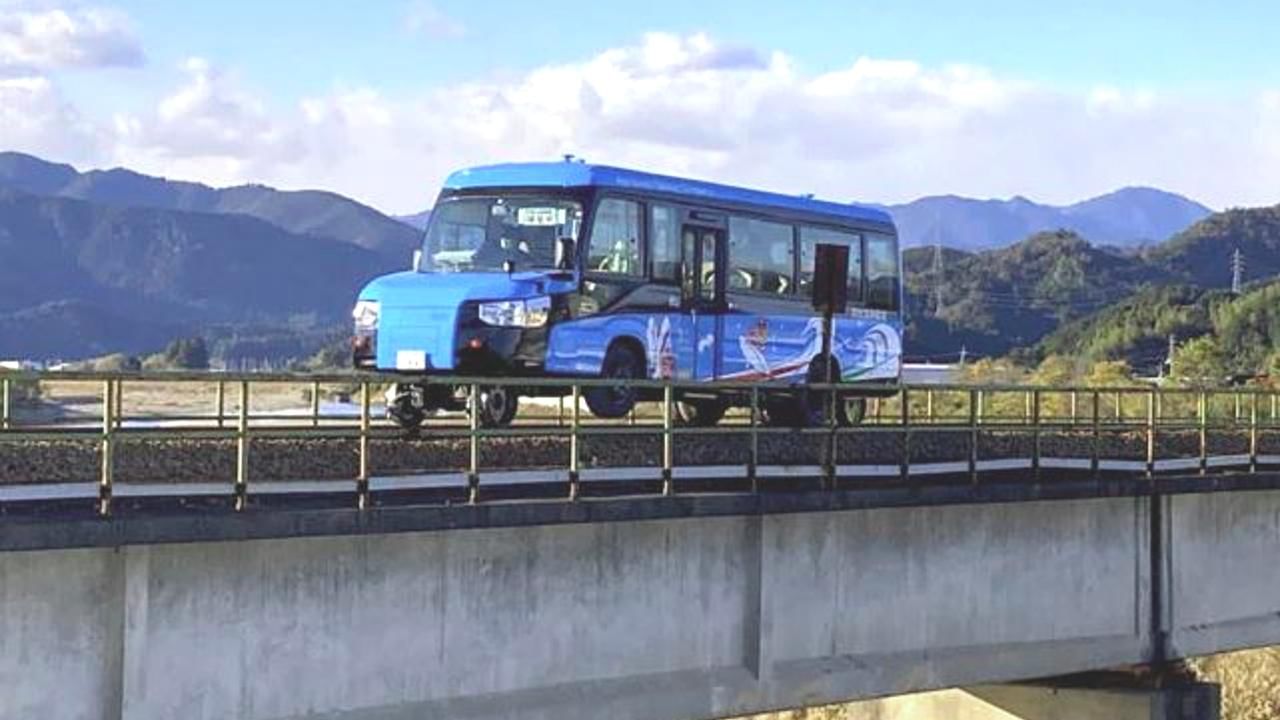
column 1237, row 271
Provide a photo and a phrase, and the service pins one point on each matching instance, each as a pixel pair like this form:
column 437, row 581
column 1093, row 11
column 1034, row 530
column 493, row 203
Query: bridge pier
column 1183, row 700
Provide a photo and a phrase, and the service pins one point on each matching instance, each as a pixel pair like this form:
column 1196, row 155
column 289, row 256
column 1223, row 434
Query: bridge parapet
column 249, row 440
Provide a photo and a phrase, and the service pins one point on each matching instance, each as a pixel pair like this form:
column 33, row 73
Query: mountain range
column 1056, row 293
column 1130, row 218
column 113, row 260
column 307, row 212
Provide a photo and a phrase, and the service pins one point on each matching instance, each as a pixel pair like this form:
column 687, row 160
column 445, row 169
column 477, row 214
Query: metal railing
column 957, row 417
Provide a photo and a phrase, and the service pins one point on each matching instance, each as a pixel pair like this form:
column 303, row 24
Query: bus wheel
column 625, row 366
column 405, row 408
column 498, row 406
column 851, row 411
column 700, row 412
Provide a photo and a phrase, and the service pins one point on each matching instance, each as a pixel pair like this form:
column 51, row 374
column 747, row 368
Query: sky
column 867, row 100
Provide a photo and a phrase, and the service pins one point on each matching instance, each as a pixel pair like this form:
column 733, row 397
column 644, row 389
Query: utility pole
column 1237, row 271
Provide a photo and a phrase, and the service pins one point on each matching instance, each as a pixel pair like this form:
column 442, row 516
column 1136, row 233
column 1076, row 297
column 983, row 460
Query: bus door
column 703, row 240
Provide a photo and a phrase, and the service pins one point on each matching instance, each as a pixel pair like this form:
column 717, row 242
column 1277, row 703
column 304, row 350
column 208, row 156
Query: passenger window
column 708, row 265
column 882, row 272
column 761, row 256
column 810, row 238
column 690, row 243
column 664, row 243
column 615, row 239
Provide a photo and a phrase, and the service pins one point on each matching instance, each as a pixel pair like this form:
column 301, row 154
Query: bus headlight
column 532, row 313
column 366, row 315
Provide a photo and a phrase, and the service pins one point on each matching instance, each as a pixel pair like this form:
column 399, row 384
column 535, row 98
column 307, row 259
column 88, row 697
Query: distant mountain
column 77, row 278
column 1072, row 298
column 1202, row 253
column 1128, row 218
column 308, row 212
column 418, row 220
column 992, row 302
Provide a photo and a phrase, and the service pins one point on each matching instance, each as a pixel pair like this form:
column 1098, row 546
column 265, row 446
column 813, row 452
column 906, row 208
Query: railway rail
column 127, row 452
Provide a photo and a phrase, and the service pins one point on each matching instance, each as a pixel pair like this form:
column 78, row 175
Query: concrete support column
column 1184, row 701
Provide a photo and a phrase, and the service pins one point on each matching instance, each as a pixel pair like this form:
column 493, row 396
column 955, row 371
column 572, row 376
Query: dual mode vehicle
column 565, row 269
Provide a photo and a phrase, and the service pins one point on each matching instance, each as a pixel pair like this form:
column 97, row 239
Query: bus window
column 761, row 256
column 664, row 243
column 689, row 243
column 882, row 272
column 615, row 238
column 709, row 269
column 810, row 237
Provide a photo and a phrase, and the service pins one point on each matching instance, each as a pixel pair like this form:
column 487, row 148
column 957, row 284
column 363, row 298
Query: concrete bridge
column 661, row 608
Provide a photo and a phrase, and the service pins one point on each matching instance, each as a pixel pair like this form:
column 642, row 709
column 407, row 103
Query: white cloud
column 36, row 38
column 876, row 130
column 425, row 19
column 35, row 118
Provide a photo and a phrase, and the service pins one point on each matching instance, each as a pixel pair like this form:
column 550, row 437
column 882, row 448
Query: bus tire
column 623, row 364
column 498, row 406
column 406, row 410
column 700, row 412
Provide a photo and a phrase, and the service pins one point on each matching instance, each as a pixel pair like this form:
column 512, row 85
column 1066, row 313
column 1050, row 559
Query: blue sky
column 873, row 99
column 296, row 47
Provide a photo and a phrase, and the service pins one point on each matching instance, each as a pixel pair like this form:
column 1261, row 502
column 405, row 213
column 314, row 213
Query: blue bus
column 566, row 269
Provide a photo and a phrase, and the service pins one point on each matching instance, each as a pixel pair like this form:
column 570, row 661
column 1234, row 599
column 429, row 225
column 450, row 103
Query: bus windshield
column 483, row 234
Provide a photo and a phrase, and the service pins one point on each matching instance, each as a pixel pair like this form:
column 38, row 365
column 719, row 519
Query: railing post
column 1075, row 401
column 905, row 468
column 315, row 402
column 1253, row 432
column 1152, row 399
column 473, row 464
column 362, row 480
column 973, row 435
column 1119, row 406
column 1036, row 398
column 119, row 415
column 1026, row 406
column 220, row 401
column 5, row 384
column 667, row 455
column 106, row 479
column 242, row 448
column 928, row 406
column 1203, row 412
column 575, row 479
column 1095, row 457
column 754, row 464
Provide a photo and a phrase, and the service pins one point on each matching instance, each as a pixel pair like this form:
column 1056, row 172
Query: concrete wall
column 1223, row 563
column 659, row 619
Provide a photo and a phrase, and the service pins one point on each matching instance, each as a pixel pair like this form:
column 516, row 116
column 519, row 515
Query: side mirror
column 565, row 248
column 417, row 260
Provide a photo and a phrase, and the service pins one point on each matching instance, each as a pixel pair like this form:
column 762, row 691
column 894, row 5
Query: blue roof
column 577, row 174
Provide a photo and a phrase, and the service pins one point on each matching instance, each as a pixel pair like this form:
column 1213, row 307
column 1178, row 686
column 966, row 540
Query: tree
column 1055, row 370
column 1200, row 363
column 1109, row 373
